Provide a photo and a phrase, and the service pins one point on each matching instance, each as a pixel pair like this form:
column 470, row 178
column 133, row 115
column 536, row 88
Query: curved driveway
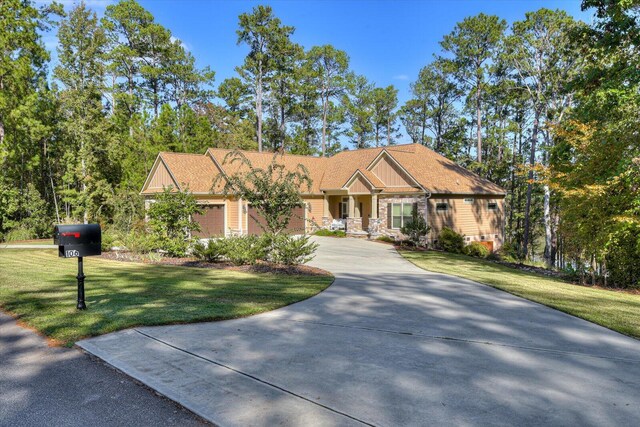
column 390, row 344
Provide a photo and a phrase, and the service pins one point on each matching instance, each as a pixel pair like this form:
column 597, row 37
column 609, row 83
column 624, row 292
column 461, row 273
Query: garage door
column 211, row 221
column 296, row 224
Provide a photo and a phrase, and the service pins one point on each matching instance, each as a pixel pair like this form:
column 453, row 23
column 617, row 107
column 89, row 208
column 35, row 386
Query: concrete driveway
column 390, row 344
column 53, row 386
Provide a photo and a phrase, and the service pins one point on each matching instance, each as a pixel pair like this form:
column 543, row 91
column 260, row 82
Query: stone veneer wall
column 383, row 202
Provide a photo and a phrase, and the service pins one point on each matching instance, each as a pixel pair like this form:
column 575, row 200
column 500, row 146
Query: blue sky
column 387, row 41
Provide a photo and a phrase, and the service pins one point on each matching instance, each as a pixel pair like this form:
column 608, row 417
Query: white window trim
column 401, row 216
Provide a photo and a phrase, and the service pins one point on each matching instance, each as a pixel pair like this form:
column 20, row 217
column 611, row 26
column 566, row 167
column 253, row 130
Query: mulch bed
column 261, row 267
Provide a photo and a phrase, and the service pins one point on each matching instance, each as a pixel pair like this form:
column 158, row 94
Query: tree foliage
column 546, row 106
column 274, row 190
column 171, row 220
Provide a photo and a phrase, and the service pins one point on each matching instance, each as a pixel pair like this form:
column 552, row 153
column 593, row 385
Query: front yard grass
column 40, row 290
column 619, row 311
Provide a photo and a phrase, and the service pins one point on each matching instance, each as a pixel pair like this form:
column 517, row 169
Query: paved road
column 41, row 385
column 27, row 246
column 390, row 344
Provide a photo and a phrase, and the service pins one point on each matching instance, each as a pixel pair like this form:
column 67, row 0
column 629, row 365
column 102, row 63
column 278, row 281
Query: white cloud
column 184, row 45
column 401, row 77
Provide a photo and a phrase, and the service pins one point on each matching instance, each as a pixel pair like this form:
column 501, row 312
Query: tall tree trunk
column 131, row 101
column 549, row 226
column 282, row 119
column 85, row 216
column 325, row 107
column 1, row 120
column 549, row 259
column 389, row 129
column 479, row 123
column 532, row 160
column 259, row 113
column 513, row 183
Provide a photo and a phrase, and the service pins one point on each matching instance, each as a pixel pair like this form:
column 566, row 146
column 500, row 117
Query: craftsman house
column 368, row 192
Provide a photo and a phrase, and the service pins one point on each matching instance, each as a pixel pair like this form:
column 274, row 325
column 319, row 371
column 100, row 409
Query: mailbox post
column 81, row 305
column 78, row 241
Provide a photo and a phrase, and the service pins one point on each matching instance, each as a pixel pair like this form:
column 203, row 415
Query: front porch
column 373, row 214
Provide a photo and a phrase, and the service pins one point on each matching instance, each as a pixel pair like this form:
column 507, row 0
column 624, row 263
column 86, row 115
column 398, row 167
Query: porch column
column 325, row 212
column 352, row 207
column 374, row 205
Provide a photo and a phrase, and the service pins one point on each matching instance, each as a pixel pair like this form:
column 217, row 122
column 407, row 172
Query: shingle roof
column 433, row 172
column 438, row 174
column 315, row 165
column 194, row 171
column 373, row 178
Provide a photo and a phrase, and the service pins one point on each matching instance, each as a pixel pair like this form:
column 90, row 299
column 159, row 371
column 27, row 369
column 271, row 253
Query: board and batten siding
column 473, row 220
column 161, row 178
column 359, row 186
column 390, row 174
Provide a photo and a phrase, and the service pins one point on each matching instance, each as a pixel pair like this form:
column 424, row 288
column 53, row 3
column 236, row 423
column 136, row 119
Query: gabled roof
column 431, row 171
column 194, row 171
column 314, row 165
column 440, row 175
column 368, row 176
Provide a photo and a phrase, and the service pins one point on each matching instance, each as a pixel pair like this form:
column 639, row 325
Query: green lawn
column 615, row 310
column 40, row 289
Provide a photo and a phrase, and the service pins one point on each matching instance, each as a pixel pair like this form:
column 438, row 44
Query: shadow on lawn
column 122, row 296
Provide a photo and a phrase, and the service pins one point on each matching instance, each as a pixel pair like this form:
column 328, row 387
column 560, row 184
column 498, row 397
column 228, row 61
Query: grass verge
column 619, row 311
column 40, row 290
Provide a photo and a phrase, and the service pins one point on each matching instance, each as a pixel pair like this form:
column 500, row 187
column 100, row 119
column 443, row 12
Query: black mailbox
column 78, row 240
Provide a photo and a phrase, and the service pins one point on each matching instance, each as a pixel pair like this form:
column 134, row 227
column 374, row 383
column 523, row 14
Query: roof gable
column 390, row 172
column 159, row 178
column 359, row 184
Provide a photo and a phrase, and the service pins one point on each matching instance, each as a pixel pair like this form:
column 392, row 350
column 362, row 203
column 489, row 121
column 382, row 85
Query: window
column 343, row 208
column 442, row 207
column 469, row 201
column 401, row 214
column 492, row 206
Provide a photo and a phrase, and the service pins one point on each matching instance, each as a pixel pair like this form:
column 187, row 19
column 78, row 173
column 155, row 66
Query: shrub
column 509, row 251
column 476, row 249
column 243, row 250
column 109, row 239
column 623, row 257
column 214, row 250
column 173, row 246
column 386, row 239
column 139, row 242
column 450, row 241
column 19, row 233
column 417, row 229
column 170, row 221
column 494, row 256
column 330, row 233
column 291, row 250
